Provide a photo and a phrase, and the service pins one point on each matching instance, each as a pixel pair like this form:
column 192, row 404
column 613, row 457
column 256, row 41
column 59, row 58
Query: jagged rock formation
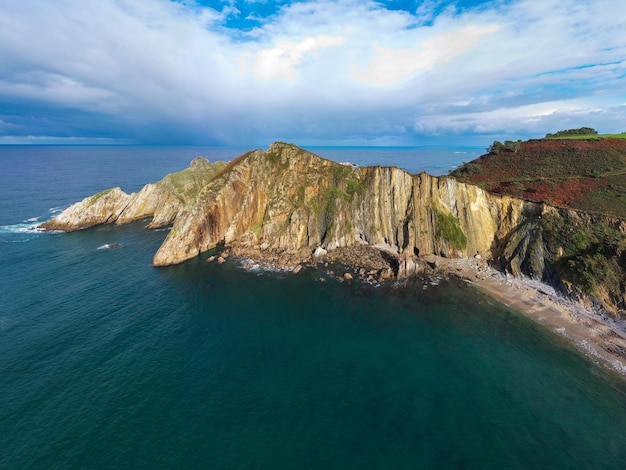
column 287, row 200
column 582, row 254
column 292, row 206
column 162, row 201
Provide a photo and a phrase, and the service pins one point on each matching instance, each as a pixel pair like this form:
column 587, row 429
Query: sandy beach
column 601, row 338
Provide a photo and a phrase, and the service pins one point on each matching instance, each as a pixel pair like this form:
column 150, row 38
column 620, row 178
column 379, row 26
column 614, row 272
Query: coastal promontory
column 290, row 206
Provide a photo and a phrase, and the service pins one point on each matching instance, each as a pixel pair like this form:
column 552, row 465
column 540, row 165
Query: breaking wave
column 26, row 226
column 109, row 246
column 30, row 225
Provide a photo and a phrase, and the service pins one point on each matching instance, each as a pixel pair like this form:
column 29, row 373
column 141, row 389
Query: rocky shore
column 286, row 208
column 599, row 337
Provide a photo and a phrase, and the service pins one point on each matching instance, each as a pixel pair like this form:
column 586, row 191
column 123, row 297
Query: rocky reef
column 291, row 206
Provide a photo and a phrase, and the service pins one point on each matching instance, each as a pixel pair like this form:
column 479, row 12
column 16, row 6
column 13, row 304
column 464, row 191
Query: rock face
column 287, row 200
column 162, row 201
column 289, row 205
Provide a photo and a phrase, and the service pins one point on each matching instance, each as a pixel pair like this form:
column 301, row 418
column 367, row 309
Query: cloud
column 163, row 71
column 390, row 66
column 283, row 59
column 55, row 140
column 525, row 121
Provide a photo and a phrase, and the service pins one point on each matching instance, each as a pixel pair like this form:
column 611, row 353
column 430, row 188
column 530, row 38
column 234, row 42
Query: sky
column 311, row 72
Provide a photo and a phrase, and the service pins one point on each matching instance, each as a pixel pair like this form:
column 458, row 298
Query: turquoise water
column 106, row 362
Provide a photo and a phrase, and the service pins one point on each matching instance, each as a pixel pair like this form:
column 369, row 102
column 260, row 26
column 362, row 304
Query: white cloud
column 535, row 119
column 283, row 59
column 316, row 69
column 390, row 66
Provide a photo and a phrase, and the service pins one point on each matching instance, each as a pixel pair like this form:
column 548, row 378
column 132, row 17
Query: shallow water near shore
column 107, row 362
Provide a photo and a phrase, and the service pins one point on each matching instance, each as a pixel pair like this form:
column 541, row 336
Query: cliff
column 288, row 201
column 290, row 206
column 579, row 243
column 162, row 201
column 581, row 174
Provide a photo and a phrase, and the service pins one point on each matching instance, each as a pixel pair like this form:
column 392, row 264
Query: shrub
column 495, row 148
column 591, row 253
column 580, row 131
column 513, row 146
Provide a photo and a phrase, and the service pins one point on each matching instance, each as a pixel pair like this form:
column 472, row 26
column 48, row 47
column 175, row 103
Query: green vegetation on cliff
column 583, row 131
column 587, row 175
column 509, row 145
column 101, row 194
column 590, row 256
column 448, row 229
column 586, row 250
column 187, row 184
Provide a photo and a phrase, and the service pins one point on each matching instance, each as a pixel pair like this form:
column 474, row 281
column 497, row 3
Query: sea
column 107, row 362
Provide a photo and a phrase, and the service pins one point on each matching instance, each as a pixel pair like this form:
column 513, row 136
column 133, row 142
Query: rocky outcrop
column 161, row 201
column 582, row 254
column 102, row 208
column 290, row 201
column 290, row 205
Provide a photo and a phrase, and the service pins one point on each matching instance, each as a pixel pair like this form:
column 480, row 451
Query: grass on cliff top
column 587, row 137
column 190, row 181
column 101, row 194
column 585, row 174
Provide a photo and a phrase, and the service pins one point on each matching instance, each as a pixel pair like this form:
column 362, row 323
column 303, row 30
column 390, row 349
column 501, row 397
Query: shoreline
column 599, row 338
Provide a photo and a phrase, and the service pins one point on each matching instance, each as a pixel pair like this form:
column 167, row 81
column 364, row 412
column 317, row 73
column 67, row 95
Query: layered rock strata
column 290, row 205
column 162, row 201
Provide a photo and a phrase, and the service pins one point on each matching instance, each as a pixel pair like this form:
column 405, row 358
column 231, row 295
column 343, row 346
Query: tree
column 580, row 131
column 495, row 148
column 513, row 146
column 510, row 145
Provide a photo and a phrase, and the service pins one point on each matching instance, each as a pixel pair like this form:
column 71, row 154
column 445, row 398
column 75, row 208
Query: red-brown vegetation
column 581, row 174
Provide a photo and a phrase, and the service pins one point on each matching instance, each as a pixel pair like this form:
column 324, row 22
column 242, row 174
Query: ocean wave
column 22, row 232
column 109, row 246
column 57, row 210
column 26, row 226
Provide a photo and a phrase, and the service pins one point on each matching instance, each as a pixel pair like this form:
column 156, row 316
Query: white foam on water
column 27, row 226
column 109, row 246
column 22, row 232
column 56, row 210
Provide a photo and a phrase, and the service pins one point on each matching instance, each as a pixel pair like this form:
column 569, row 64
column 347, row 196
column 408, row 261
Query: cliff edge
column 289, row 205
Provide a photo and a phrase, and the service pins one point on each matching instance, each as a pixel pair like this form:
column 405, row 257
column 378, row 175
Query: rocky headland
column 286, row 202
column 289, row 207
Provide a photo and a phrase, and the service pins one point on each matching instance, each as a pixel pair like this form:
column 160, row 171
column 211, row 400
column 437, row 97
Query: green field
column 589, row 136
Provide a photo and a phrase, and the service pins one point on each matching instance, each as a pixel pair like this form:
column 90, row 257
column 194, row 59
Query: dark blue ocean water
column 106, row 362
